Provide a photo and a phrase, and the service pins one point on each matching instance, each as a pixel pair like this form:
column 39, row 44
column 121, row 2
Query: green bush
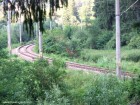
column 135, row 42
column 104, row 38
column 57, row 43
column 106, row 91
column 54, row 97
column 11, row 84
column 42, row 78
column 52, row 45
column 3, row 54
column 59, row 63
column 89, row 89
column 16, row 34
column 106, row 62
column 73, row 48
column 111, row 43
column 47, row 24
column 135, row 57
column 134, row 91
column 81, row 36
column 68, row 32
column 3, row 38
column 53, row 41
column 94, row 33
column 89, row 56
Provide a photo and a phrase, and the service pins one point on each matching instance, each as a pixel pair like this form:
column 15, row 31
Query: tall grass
column 106, row 59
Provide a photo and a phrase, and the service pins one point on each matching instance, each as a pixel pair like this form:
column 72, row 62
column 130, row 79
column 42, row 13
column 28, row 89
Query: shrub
column 106, row 62
column 41, row 78
column 47, row 24
column 86, row 55
column 69, row 31
column 111, row 43
column 106, row 91
column 11, row 84
column 54, row 97
column 3, row 38
column 16, row 36
column 72, row 48
column 135, row 57
column 134, row 91
column 59, row 63
column 53, row 41
column 103, row 38
column 135, row 42
column 3, row 54
column 81, row 36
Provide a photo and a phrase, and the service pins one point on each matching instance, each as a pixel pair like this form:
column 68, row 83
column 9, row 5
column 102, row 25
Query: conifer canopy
column 32, row 10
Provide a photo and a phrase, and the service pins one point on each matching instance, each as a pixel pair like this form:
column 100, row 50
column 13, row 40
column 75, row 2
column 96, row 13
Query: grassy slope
column 104, row 59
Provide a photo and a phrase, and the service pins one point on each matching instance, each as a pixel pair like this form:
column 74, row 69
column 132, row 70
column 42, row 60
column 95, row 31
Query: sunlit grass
column 104, row 59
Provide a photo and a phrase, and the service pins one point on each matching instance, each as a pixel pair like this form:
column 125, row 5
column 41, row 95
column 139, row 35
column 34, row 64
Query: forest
column 83, row 31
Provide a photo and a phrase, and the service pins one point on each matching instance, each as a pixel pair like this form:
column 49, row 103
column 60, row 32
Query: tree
column 33, row 10
column 85, row 12
column 104, row 11
column 68, row 13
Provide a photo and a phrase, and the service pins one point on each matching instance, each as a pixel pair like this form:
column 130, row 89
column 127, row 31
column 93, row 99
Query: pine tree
column 104, row 12
column 33, row 10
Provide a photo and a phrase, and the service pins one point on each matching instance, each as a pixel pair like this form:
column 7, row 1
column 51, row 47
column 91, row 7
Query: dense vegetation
column 40, row 83
column 85, row 34
column 14, row 33
column 94, row 42
column 129, row 21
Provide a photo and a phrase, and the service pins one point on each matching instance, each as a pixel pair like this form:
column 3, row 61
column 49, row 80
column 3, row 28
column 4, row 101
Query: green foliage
column 43, row 83
column 41, row 78
column 103, row 39
column 94, row 33
column 36, row 13
column 135, row 57
column 134, row 42
column 68, row 32
column 106, row 62
column 104, row 12
column 60, row 42
column 59, row 63
column 106, row 20
column 82, row 38
column 15, row 32
column 11, row 84
column 134, row 91
column 106, row 91
column 52, row 44
column 111, row 43
column 3, row 54
column 46, row 24
column 90, row 89
column 3, row 38
column 54, row 97
column 90, row 56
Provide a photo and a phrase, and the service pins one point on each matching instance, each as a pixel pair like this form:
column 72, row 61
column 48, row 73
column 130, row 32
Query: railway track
column 26, row 52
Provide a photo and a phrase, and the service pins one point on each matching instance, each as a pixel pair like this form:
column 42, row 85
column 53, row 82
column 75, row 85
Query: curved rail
column 26, row 53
